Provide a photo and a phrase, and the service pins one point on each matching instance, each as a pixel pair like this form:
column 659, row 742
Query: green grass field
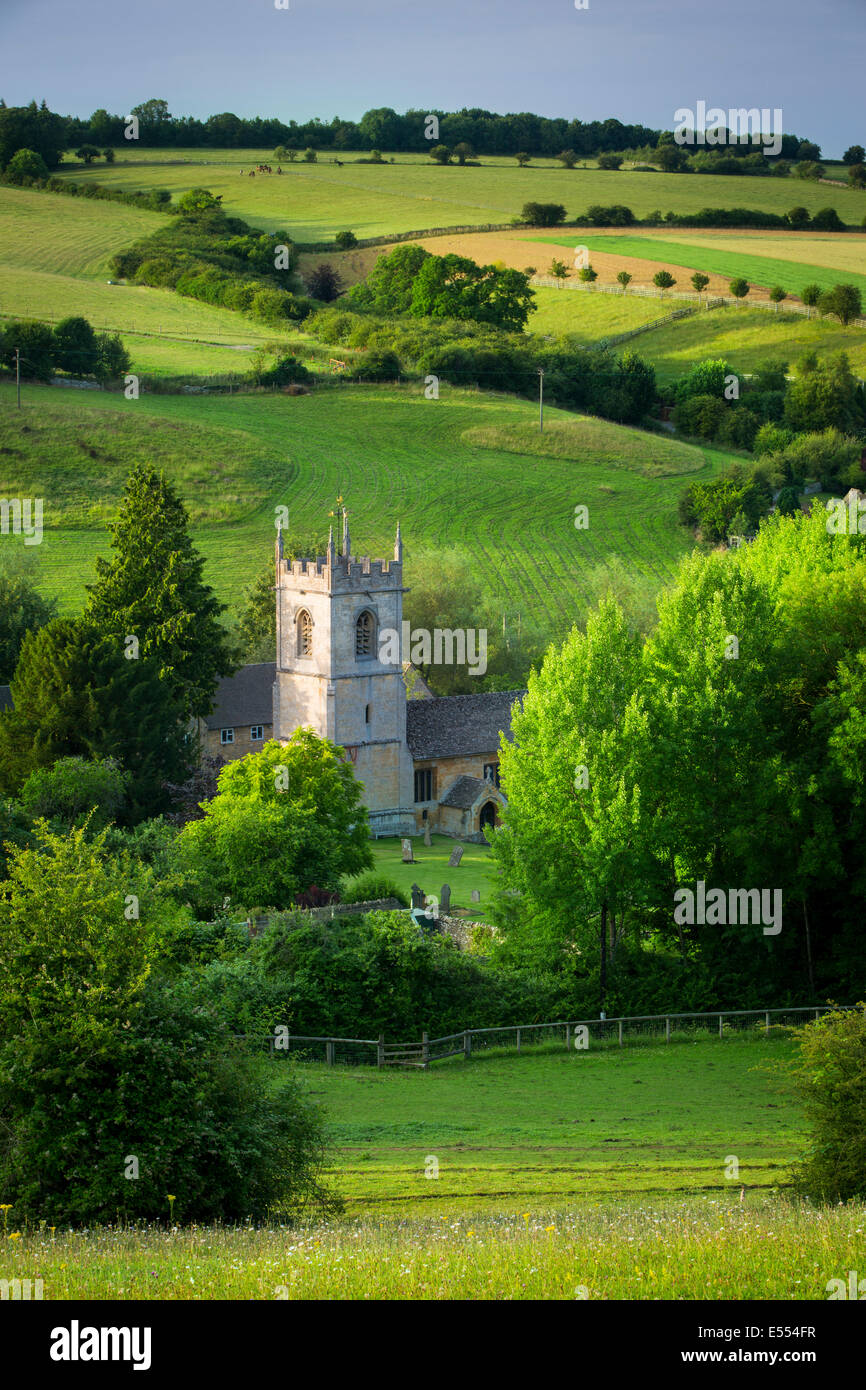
column 390, row 453
column 764, row 270
column 597, row 1174
column 590, row 318
column 313, row 201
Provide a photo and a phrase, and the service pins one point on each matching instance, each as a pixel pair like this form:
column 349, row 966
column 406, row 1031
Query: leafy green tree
column 310, row 155
column 855, row 154
column 74, row 693
column 34, row 342
column 810, row 169
column 32, row 128
column 574, row 843
column 829, row 1078
column 112, row 358
column 799, row 218
column 663, row 280
column 857, row 175
column 844, row 301
column 739, row 288
column 609, row 161
column 559, row 270
column 98, row 1062
column 199, row 201
column 378, row 364
column 587, row 274
column 810, row 294
column 152, row 589
column 568, row 158
column 455, row 287
column 542, row 214
column 22, row 609
column 624, row 279
column 778, row 295
column 523, row 158
column 283, row 820
column 76, row 789
column 25, row 164
column 440, row 154
column 344, row 241
column 75, row 347
column 827, row 220
column 824, row 396
column 700, row 282
column 87, row 153
column 672, row 159
column 706, row 378
column 389, row 286
column 463, row 151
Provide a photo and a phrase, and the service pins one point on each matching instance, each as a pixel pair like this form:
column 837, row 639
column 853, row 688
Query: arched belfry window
column 305, row 633
column 365, row 631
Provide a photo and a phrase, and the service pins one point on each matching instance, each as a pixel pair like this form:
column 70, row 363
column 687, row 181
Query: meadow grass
column 390, row 452
column 699, row 1248
column 549, row 1125
column 706, row 255
column 314, row 201
column 589, row 318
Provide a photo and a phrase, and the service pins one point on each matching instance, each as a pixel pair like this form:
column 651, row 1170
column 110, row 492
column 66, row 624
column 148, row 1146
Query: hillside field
column 314, row 201
column 454, row 471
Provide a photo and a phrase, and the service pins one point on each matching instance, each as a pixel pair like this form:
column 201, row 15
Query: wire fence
column 578, row 1034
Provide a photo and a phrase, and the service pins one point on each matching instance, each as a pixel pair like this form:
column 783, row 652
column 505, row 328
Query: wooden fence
column 577, row 1034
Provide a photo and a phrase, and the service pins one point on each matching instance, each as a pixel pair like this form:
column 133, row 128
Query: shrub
column 542, row 214
column 345, row 240
column 379, row 364
column 371, row 887
column 829, row 1075
column 827, row 220
column 614, row 216
column 74, row 789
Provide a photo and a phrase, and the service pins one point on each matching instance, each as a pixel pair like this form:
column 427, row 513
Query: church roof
column 247, row 697
column 455, row 725
column 466, row 791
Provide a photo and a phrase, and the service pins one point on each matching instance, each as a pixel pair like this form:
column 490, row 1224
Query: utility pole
column 541, row 400
column 18, row 375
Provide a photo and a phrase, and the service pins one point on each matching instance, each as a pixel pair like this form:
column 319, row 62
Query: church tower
column 335, row 617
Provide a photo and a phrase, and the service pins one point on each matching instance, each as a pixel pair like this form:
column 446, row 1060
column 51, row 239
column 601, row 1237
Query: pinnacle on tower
column 331, row 553
column 346, row 545
column 279, row 540
column 398, row 545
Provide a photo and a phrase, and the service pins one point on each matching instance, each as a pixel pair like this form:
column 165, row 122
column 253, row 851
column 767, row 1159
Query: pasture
column 595, row 1175
column 704, row 254
column 314, row 201
column 455, row 471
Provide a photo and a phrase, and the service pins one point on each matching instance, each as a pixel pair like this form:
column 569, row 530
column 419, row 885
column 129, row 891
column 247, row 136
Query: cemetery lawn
column 431, row 870
column 452, row 470
column 518, row 1132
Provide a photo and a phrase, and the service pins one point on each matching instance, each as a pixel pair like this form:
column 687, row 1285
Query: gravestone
column 475, row 895
column 445, row 898
column 417, row 896
column 456, row 856
column 408, row 856
column 427, row 841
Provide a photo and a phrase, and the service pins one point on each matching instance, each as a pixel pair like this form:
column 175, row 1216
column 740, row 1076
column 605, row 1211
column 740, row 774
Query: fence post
column 667, row 1029
column 518, row 1040
column 467, row 1044
column 720, row 1025
column 329, row 1052
column 767, row 1021
column 568, row 1035
column 425, row 1051
column 380, row 1051
column 620, row 1032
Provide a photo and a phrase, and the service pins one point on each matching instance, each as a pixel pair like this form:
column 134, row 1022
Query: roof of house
column 5, row 697
column 247, row 697
column 466, row 791
column 455, row 725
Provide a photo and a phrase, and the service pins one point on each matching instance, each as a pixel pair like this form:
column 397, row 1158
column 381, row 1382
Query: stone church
column 421, row 758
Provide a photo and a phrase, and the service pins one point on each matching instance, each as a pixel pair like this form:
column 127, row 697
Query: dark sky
column 636, row 59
